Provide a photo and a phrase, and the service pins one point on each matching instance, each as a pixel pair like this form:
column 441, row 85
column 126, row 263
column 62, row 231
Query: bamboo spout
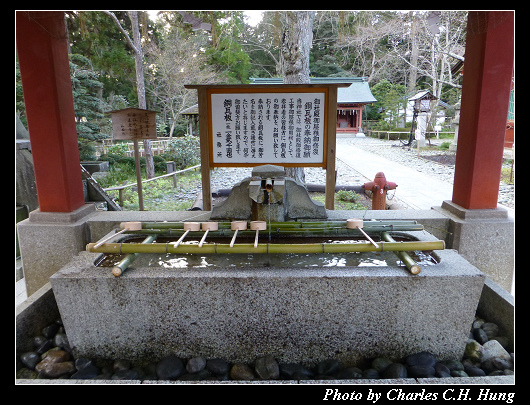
column 413, row 267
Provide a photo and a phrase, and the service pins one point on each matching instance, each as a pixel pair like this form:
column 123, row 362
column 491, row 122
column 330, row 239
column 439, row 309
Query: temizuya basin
column 296, row 314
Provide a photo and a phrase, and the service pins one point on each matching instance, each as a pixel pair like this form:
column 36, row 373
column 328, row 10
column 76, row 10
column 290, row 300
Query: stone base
column 485, row 237
column 296, row 315
column 296, row 204
column 49, row 240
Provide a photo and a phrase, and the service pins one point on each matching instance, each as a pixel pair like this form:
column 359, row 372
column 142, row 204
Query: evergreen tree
column 87, row 105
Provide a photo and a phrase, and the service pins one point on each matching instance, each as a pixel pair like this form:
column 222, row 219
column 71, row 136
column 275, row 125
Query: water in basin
column 292, row 260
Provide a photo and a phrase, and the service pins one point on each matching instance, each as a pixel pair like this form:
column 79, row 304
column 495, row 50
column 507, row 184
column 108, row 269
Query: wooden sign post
column 251, row 125
column 134, row 124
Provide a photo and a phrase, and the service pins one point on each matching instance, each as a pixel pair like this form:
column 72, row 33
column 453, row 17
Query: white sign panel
column 260, row 128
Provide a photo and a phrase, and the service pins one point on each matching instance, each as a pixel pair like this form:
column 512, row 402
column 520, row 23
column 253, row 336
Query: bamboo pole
column 289, row 224
column 413, row 267
column 222, row 248
column 336, row 231
column 127, row 260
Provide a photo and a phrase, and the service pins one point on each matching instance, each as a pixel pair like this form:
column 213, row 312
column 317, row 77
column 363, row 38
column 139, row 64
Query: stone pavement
column 415, row 189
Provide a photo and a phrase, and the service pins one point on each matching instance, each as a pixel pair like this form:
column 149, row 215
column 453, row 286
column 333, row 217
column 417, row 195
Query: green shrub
column 348, row 196
column 184, row 151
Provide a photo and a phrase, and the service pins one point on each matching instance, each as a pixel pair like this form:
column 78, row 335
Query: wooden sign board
column 251, row 127
column 257, row 124
column 133, row 123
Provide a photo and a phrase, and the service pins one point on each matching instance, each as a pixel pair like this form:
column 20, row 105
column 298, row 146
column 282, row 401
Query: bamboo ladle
column 355, row 223
column 125, row 226
column 208, row 226
column 188, row 226
column 257, row 226
column 237, row 226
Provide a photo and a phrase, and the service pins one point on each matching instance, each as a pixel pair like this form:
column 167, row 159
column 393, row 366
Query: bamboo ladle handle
column 177, row 243
column 367, row 237
column 127, row 226
column 204, row 237
column 358, row 224
column 101, row 242
column 257, row 225
column 234, row 238
column 207, row 226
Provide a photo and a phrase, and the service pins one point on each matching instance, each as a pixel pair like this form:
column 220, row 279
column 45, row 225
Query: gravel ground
column 437, row 163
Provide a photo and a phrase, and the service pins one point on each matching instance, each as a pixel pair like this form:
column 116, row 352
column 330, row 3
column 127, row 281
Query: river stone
column 295, row 371
column 39, row 340
column 370, row 374
column 425, row 359
column 127, row 374
column 474, row 371
column 87, row 372
column 441, row 370
column 327, row 367
column 30, row 359
column 50, row 330
column 453, row 365
column 491, row 329
column 493, row 349
column 421, row 371
column 26, row 374
column 474, row 351
column 60, row 340
column 121, row 364
column 459, row 373
column 503, row 340
column 480, row 336
column 350, row 373
column 267, row 368
column 218, row 367
column 47, row 368
column 380, row 364
column 195, row 364
column 45, row 346
column 394, row 370
column 56, row 356
column 241, row 372
column 169, row 368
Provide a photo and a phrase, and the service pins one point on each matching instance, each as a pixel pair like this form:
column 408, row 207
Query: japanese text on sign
column 259, row 128
column 134, row 123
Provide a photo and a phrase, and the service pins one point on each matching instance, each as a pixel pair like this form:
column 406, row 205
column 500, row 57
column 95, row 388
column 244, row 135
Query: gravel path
column 391, row 150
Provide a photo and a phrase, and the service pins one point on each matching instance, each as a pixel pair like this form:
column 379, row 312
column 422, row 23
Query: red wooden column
column 45, row 72
column 485, row 96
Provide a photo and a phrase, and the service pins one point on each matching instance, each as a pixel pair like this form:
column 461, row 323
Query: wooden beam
column 205, row 148
column 331, row 147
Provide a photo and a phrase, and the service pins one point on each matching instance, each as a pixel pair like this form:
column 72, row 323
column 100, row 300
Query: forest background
column 397, row 52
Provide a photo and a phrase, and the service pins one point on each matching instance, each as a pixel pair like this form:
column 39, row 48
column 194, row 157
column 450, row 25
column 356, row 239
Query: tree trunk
column 413, row 73
column 140, row 88
column 297, row 38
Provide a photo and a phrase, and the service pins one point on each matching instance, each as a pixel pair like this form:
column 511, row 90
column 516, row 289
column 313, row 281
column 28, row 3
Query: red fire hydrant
column 379, row 187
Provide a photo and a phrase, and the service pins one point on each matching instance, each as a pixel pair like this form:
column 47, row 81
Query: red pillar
column 485, row 96
column 45, row 72
column 359, row 116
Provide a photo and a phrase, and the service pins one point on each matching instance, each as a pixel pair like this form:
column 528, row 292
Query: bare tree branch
column 129, row 40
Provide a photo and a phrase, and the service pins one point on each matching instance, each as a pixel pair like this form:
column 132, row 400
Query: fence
column 400, row 134
column 173, row 173
column 159, row 146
